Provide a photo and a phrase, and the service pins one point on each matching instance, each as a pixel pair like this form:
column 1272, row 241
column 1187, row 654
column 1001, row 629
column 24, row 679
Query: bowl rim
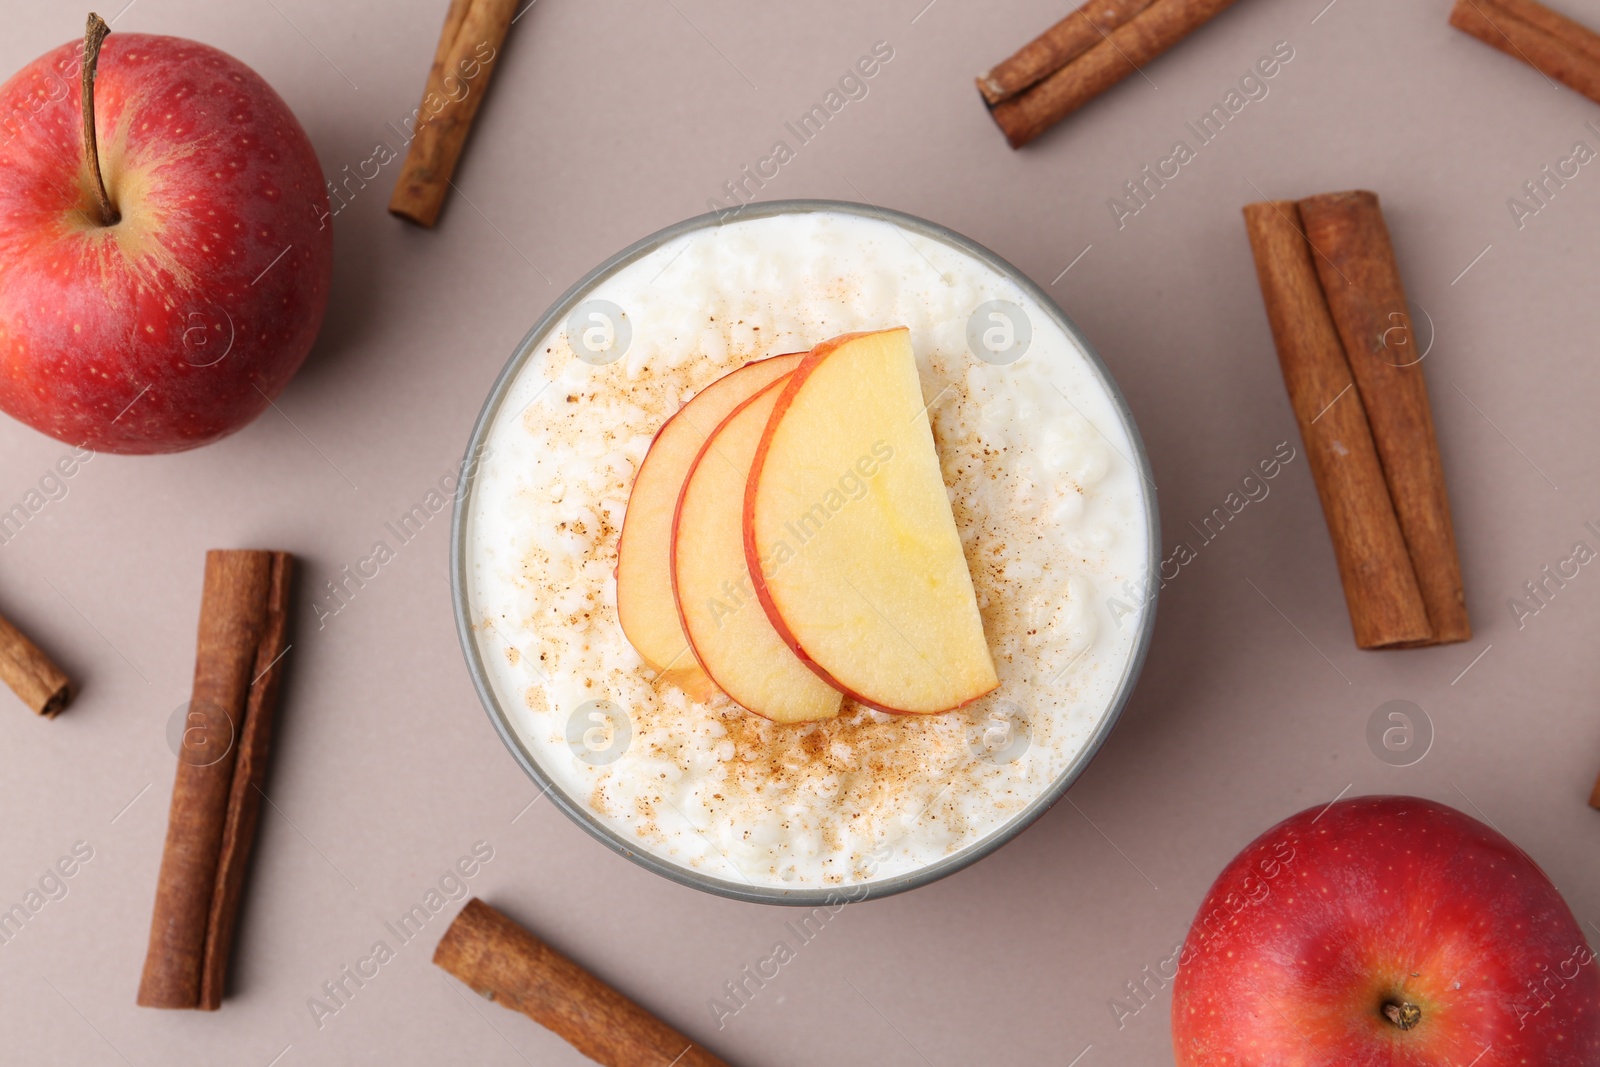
column 591, row 822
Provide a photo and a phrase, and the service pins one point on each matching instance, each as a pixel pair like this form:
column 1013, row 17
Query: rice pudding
column 1048, row 498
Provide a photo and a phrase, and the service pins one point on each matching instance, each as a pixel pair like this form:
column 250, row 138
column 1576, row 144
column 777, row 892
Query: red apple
column 177, row 323
column 1385, row 932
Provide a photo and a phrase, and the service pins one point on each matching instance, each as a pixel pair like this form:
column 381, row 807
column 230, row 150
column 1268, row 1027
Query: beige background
column 609, row 119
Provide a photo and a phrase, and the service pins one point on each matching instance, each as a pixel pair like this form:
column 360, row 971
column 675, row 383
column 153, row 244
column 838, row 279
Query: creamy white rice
column 1048, row 500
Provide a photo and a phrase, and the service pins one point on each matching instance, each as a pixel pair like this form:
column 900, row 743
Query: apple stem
column 94, row 35
column 1404, row 1014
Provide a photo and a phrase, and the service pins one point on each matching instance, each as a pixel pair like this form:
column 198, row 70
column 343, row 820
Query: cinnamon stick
column 215, row 795
column 507, row 964
column 31, row 674
column 249, row 777
column 1056, row 47
column 1386, row 608
column 469, row 44
column 1552, row 44
column 1594, row 796
column 1361, row 280
column 1121, row 52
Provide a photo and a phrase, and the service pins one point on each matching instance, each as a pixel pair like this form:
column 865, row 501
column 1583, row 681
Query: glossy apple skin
column 179, row 324
column 1332, row 913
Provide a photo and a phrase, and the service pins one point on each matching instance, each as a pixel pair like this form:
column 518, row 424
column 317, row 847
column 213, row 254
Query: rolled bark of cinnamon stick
column 1594, row 796
column 249, row 776
column 1386, row 607
column 505, row 963
column 1574, row 34
column 1552, row 44
column 31, row 674
column 221, row 763
column 1056, row 47
column 463, row 63
column 1120, row 53
column 1361, row 281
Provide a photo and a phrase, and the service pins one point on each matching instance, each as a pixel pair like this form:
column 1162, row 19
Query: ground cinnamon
column 221, row 766
column 31, row 674
column 505, row 963
column 1552, row 44
column 469, row 45
column 1380, row 587
column 1356, row 264
column 1122, row 51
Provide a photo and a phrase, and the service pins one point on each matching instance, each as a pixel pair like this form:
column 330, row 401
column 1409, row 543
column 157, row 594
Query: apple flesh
column 849, row 537
column 732, row 639
column 646, row 607
column 179, row 323
column 1385, row 932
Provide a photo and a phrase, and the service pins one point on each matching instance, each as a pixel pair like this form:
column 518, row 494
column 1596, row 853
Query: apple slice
column 728, row 629
column 849, row 536
column 645, row 605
